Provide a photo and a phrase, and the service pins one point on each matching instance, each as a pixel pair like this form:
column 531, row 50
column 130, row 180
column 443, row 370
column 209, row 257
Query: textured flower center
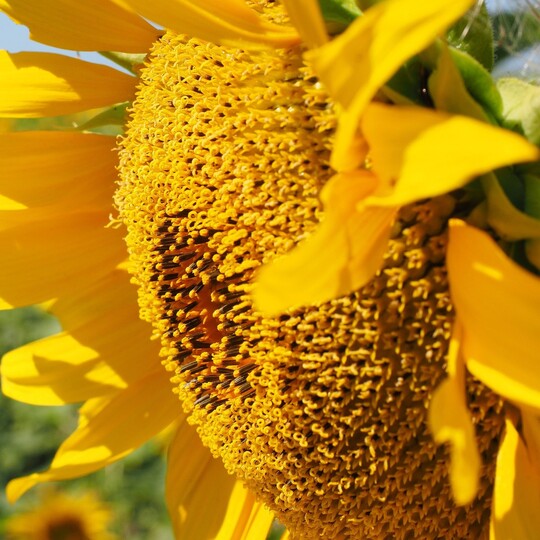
column 322, row 411
column 69, row 528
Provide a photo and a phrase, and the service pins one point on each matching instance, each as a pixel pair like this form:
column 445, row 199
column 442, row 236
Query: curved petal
column 215, row 20
column 45, row 84
column 99, row 25
column 532, row 249
column 450, row 421
column 497, row 303
column 509, row 222
column 196, row 482
column 64, row 252
column 516, row 497
column 307, row 18
column 56, row 165
column 93, row 358
column 111, row 429
column 356, row 64
column 339, row 257
column 420, row 153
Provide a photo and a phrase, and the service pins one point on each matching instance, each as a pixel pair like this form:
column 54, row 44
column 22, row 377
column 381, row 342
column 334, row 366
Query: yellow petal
column 516, row 497
column 339, row 257
column 259, row 521
column 509, row 222
column 99, row 25
column 45, row 259
column 497, row 303
column 448, row 91
column 215, row 20
column 450, row 421
column 113, row 429
column 44, row 84
column 531, row 436
column 532, row 249
column 357, row 63
column 307, row 18
column 196, row 482
column 94, row 357
column 56, row 166
column 420, row 153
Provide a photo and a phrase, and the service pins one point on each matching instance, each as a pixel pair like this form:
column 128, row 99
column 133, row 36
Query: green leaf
column 342, row 12
column 128, row 61
column 521, row 107
column 479, row 83
column 109, row 121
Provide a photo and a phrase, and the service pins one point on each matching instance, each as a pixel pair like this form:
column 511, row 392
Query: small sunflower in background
column 331, row 218
column 59, row 516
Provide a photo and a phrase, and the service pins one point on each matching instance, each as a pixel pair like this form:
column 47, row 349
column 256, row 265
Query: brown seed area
column 322, row 412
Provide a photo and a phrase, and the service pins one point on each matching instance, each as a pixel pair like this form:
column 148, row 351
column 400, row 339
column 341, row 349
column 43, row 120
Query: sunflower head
column 321, row 411
column 62, row 517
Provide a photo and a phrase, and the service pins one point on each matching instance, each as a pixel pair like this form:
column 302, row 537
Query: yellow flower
column 62, row 517
column 321, row 412
column 57, row 246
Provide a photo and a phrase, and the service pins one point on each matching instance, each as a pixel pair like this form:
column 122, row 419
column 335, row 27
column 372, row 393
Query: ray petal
column 44, row 259
column 94, row 357
column 497, row 303
column 451, row 422
column 44, row 84
column 99, row 25
column 339, row 257
column 107, row 432
column 197, row 481
column 215, row 20
column 307, row 18
column 424, row 153
column 56, row 165
column 516, row 497
column 357, row 63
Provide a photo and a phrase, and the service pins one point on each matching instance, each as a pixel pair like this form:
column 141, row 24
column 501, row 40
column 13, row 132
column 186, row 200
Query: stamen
column 322, row 411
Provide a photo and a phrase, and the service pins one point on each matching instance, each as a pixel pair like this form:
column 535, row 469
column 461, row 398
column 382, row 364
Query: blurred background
column 29, row 436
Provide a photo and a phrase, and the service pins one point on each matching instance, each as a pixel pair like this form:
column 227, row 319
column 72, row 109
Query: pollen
column 322, row 412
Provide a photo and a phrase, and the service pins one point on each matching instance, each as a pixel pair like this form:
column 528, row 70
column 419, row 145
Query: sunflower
column 62, row 517
column 60, row 212
column 244, row 141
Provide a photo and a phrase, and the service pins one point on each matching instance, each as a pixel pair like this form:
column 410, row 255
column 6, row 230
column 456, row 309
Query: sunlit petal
column 107, row 433
column 497, row 303
column 44, row 259
column 357, row 63
column 307, row 18
column 420, row 153
column 56, row 166
column 195, row 482
column 339, row 257
column 516, row 497
column 45, row 84
column 215, row 20
column 94, row 357
column 451, row 422
column 99, row 25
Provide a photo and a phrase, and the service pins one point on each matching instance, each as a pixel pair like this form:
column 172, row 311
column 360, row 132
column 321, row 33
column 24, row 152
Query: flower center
column 322, row 411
